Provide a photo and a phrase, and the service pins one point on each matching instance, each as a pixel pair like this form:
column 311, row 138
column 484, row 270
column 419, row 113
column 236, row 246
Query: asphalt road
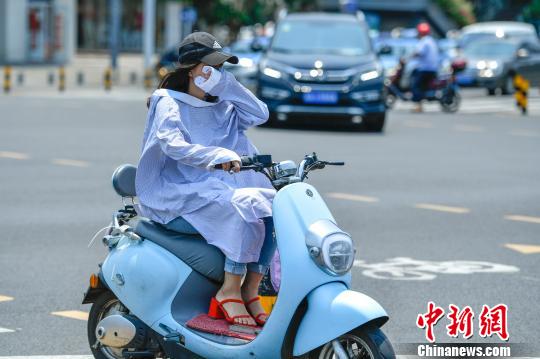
column 435, row 189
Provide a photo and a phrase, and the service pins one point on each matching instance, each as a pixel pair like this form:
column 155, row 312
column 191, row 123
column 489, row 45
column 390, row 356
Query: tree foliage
column 532, row 11
column 461, row 11
column 234, row 13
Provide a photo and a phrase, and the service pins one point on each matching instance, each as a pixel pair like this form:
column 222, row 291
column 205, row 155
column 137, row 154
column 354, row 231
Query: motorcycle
column 154, row 282
column 443, row 88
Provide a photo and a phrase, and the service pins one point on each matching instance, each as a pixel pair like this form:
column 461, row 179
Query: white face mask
column 208, row 84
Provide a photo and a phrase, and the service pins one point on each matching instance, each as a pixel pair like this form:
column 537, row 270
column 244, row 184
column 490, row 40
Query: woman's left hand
column 233, row 166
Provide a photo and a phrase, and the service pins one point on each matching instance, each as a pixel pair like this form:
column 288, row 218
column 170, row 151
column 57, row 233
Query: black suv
column 322, row 66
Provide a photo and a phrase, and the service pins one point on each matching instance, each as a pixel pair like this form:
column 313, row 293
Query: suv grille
column 335, row 77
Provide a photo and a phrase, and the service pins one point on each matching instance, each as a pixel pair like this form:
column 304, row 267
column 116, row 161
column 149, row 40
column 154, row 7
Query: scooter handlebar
column 255, row 163
column 242, row 167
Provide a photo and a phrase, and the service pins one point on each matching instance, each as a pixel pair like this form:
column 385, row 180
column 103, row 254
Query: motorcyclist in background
column 427, row 59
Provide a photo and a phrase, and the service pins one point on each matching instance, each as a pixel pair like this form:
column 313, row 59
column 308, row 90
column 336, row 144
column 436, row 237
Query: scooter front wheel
column 450, row 101
column 106, row 304
column 389, row 97
column 361, row 343
column 142, row 345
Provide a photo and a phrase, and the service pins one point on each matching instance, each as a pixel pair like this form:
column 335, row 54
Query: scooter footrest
column 206, row 324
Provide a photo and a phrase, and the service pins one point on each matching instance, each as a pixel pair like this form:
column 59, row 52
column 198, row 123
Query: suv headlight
column 330, row 247
column 268, row 71
column 369, row 75
column 274, row 69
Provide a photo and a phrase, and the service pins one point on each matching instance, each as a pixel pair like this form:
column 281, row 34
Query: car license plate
column 321, row 97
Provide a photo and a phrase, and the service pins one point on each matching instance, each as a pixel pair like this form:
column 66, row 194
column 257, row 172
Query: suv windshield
column 491, row 49
column 303, row 36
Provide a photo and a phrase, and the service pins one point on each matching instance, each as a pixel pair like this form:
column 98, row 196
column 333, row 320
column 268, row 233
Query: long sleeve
column 250, row 110
column 174, row 144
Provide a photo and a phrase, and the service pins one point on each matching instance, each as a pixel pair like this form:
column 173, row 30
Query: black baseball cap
column 202, row 47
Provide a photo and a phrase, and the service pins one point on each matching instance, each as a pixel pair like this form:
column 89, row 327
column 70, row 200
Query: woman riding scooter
column 197, row 120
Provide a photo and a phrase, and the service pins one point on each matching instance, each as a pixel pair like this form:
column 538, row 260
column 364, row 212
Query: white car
column 500, row 29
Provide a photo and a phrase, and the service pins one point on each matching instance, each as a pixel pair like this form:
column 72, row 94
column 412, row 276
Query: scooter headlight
column 338, row 253
column 330, row 247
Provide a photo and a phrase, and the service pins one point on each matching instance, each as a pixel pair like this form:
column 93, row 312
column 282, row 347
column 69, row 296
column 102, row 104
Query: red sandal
column 217, row 311
column 257, row 320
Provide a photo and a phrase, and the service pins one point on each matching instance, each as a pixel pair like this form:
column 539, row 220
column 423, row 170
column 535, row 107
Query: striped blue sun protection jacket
column 184, row 138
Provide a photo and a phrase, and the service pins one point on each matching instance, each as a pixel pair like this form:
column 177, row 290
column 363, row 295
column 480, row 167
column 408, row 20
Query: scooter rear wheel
column 362, row 343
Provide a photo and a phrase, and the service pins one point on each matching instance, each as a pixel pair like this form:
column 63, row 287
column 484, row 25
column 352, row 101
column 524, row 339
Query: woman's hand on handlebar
column 232, row 166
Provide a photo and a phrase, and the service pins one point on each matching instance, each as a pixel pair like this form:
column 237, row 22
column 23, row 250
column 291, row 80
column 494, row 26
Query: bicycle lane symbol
column 404, row 268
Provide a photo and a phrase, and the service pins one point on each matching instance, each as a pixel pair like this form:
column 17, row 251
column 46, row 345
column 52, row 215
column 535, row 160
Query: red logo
column 460, row 322
column 491, row 321
column 429, row 319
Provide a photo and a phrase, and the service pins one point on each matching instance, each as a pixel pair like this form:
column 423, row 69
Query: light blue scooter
column 154, row 281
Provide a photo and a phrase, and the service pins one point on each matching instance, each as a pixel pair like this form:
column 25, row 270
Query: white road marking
column 519, row 218
column 91, row 357
column 5, row 298
column 352, row 197
column 524, row 133
column 468, row 128
column 68, row 162
column 73, row 314
column 418, row 124
column 6, row 330
column 403, row 268
column 14, row 155
column 480, row 105
column 442, row 208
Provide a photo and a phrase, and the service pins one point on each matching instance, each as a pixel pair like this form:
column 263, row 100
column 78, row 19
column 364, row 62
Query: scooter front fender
column 334, row 310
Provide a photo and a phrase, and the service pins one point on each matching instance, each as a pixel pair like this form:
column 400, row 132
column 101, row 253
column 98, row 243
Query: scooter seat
column 192, row 249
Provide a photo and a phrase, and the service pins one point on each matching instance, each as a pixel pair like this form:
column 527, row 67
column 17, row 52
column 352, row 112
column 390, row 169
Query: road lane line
column 418, row 124
column 468, row 128
column 73, row 314
column 91, row 357
column 352, row 197
column 524, row 133
column 5, row 298
column 523, row 248
column 68, row 162
column 14, row 155
column 519, row 218
column 442, row 208
column 6, row 330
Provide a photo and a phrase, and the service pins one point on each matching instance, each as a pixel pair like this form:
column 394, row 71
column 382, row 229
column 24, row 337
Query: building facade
column 52, row 31
column 37, row 31
column 93, row 24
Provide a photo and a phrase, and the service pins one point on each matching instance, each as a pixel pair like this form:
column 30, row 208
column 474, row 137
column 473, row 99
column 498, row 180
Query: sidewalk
column 90, row 68
column 135, row 93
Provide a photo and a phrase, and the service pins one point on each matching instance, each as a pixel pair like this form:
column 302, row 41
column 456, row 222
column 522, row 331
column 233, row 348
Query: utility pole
column 149, row 29
column 114, row 38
